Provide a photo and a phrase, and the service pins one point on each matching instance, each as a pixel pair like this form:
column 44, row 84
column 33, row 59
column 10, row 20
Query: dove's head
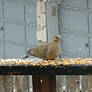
column 57, row 38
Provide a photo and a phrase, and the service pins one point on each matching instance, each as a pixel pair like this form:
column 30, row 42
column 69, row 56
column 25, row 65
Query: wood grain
column 44, row 83
column 22, row 83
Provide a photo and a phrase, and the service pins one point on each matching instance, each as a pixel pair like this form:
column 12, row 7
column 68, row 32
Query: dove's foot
column 25, row 56
column 48, row 59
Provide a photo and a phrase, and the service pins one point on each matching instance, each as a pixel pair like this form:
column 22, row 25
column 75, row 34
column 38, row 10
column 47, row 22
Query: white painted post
column 41, row 20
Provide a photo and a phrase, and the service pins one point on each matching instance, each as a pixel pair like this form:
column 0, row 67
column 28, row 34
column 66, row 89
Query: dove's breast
column 54, row 50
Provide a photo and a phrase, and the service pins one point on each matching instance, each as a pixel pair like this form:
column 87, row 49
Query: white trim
column 41, row 21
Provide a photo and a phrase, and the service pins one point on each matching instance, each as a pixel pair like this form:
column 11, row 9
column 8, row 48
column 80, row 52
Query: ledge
column 46, row 70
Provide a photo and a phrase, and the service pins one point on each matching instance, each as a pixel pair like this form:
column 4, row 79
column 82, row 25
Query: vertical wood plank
column 1, row 84
column 44, row 83
column 36, row 83
column 84, row 84
column 30, row 84
column 6, row 83
column 58, row 83
column 71, row 83
column 89, row 83
column 22, row 83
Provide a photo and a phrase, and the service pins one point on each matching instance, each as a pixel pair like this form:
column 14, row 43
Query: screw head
column 2, row 28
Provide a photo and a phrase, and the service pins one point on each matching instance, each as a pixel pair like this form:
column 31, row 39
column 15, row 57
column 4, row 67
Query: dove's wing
column 39, row 51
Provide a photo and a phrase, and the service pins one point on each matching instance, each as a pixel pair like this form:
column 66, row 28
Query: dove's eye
column 57, row 38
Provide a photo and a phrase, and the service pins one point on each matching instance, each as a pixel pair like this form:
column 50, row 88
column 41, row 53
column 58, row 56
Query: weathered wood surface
column 44, row 83
column 72, row 83
column 22, row 83
column 84, row 83
column 59, row 84
column 68, row 83
column 10, row 83
column 6, row 83
column 89, row 83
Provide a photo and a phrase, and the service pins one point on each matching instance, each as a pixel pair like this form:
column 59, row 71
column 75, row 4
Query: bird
column 47, row 51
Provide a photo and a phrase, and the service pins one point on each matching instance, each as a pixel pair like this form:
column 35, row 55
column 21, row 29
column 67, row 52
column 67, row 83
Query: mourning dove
column 47, row 51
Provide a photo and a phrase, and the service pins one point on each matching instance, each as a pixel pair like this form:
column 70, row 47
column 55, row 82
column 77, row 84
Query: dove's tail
column 29, row 53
